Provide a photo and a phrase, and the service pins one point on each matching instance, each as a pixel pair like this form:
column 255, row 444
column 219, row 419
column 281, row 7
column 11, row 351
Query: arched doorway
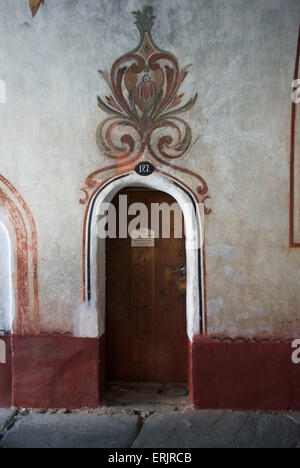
column 94, row 254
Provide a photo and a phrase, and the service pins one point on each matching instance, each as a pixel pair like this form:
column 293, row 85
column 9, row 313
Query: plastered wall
column 243, row 57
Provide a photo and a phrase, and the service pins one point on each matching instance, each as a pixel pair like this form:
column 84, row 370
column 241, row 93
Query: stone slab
column 5, row 415
column 218, row 429
column 75, row 430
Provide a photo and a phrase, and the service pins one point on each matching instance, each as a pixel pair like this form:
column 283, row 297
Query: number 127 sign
column 144, row 169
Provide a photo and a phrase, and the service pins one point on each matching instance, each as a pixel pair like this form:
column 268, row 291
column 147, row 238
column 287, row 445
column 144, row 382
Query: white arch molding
column 6, row 288
column 90, row 318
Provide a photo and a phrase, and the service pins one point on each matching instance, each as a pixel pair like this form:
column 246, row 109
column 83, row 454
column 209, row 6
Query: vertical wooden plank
column 143, row 305
column 171, row 338
column 118, row 307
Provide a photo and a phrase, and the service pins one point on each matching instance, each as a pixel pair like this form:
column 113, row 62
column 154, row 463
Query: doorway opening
column 92, row 321
column 146, row 338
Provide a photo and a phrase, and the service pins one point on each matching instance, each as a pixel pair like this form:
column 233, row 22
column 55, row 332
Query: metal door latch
column 181, row 271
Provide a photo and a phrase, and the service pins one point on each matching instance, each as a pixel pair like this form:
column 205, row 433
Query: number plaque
column 144, row 169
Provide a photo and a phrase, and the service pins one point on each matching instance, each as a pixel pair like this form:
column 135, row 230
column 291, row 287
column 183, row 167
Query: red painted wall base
column 243, row 376
column 67, row 372
column 6, row 375
column 55, row 372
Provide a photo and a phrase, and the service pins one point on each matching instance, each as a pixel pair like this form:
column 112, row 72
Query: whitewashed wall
column 243, row 55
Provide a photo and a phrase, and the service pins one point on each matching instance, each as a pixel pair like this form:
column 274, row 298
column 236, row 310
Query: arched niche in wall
column 6, row 289
column 21, row 231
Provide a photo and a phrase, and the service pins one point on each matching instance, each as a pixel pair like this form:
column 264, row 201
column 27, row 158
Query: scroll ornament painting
column 145, row 107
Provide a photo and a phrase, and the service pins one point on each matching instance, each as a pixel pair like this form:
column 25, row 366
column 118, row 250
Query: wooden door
column 146, row 305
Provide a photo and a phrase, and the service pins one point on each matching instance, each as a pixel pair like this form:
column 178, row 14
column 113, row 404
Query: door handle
column 181, row 271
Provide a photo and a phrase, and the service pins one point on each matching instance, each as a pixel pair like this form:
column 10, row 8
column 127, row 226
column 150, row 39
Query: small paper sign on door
column 143, row 238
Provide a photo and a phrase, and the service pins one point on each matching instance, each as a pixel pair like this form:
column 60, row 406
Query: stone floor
column 147, row 425
column 152, row 392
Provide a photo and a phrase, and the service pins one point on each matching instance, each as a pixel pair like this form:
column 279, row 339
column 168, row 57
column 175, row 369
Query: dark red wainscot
column 243, row 375
column 55, row 372
column 5, row 372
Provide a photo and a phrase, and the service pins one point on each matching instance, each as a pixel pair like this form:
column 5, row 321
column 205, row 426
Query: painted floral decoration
column 145, row 102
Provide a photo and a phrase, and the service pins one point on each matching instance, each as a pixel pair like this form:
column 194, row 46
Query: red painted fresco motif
column 35, row 5
column 24, row 238
column 145, row 108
